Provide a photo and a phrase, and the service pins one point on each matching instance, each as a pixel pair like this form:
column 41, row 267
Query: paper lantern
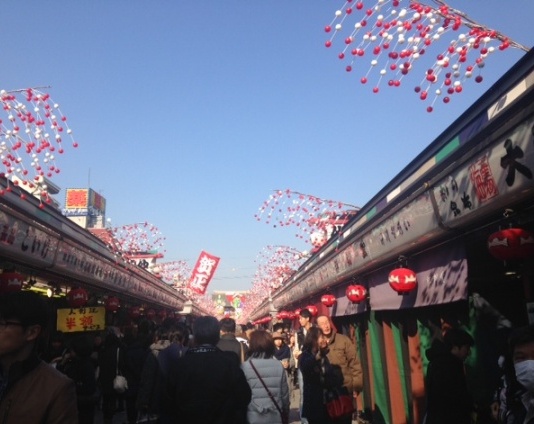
column 328, row 300
column 282, row 315
column 134, row 312
column 356, row 293
column 297, row 312
column 77, row 297
column 511, row 244
column 11, row 282
column 402, row 280
column 112, row 304
column 313, row 310
column 150, row 314
column 162, row 313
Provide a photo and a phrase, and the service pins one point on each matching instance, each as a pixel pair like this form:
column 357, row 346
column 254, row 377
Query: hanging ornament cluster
column 275, row 265
column 386, row 39
column 138, row 238
column 315, row 219
column 511, row 244
column 11, row 281
column 356, row 293
column 175, row 273
column 31, row 137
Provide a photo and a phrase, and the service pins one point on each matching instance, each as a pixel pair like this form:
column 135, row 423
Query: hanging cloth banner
column 203, row 272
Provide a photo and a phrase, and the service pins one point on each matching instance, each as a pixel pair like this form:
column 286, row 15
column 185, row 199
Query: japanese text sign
column 203, row 272
column 70, row 320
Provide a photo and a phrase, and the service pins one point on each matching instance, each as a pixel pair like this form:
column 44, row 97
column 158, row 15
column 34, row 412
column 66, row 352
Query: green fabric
column 404, row 365
column 382, row 413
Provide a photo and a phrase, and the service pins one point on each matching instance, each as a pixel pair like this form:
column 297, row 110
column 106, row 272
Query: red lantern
column 150, row 314
column 134, row 312
column 313, row 310
column 402, row 280
column 297, row 312
column 162, row 313
column 112, row 304
column 511, row 244
column 11, row 282
column 291, row 315
column 328, row 300
column 282, row 315
column 356, row 293
column 77, row 297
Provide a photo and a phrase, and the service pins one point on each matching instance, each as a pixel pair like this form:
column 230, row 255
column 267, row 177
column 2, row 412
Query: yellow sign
column 88, row 318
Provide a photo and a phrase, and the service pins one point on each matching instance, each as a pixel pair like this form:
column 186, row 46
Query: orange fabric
column 398, row 413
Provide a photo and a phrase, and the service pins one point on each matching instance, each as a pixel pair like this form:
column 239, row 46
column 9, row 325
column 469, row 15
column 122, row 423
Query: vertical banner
column 203, row 272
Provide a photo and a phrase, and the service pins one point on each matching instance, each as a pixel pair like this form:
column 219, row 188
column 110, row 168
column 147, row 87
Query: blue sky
column 188, row 114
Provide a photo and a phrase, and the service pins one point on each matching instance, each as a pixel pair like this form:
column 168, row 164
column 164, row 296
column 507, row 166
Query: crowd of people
column 211, row 373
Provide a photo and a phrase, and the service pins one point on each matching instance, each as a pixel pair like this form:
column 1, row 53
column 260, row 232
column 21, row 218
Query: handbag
column 120, row 384
column 338, row 402
column 285, row 418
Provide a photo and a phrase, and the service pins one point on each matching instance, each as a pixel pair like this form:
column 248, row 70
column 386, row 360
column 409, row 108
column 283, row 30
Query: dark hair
column 305, row 313
column 178, row 333
column 311, row 341
column 457, row 337
column 82, row 346
column 227, row 325
column 520, row 336
column 206, row 330
column 261, row 344
column 27, row 307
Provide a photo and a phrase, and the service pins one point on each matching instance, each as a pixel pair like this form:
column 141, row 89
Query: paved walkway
column 120, row 418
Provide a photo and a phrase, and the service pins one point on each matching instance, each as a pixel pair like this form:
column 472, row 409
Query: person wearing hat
column 281, row 349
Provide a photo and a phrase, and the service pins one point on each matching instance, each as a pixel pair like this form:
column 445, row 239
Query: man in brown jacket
column 342, row 352
column 31, row 391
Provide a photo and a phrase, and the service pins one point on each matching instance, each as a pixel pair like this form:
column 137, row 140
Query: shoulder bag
column 120, row 384
column 285, row 418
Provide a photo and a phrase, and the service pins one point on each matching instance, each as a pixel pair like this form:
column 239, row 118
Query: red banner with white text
column 203, row 272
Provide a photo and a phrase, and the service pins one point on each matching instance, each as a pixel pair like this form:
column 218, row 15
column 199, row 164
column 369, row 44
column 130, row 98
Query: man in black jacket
column 207, row 385
column 448, row 399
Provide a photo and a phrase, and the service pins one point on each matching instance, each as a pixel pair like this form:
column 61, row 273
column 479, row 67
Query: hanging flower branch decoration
column 316, row 219
column 388, row 37
column 276, row 264
column 175, row 273
column 138, row 238
column 31, row 137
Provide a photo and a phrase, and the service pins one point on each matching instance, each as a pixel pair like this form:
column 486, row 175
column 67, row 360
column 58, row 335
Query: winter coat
column 149, row 393
column 261, row 409
column 229, row 343
column 207, row 386
column 107, row 364
column 448, row 400
column 313, row 406
column 82, row 371
column 514, row 408
column 342, row 353
column 282, row 353
column 37, row 393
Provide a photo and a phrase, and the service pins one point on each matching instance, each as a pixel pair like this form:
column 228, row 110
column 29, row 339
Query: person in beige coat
column 31, row 391
column 342, row 352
